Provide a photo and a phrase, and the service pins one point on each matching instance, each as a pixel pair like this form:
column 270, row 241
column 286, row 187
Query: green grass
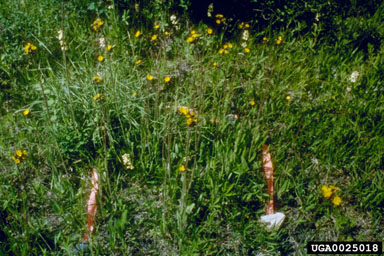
column 322, row 129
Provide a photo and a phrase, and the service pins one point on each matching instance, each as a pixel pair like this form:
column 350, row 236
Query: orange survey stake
column 92, row 205
column 268, row 170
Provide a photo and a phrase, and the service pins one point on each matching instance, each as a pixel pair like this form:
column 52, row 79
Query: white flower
column 245, row 35
column 173, row 19
column 127, row 161
column 102, row 42
column 244, row 44
column 210, row 10
column 60, row 35
column 354, row 76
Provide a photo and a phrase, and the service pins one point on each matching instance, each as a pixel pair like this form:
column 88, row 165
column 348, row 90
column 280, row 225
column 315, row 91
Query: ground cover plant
column 173, row 115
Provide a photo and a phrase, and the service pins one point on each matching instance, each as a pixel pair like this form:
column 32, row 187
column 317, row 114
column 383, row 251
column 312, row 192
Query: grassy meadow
column 173, row 115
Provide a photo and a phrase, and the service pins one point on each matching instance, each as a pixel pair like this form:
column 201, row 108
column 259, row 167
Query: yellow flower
column 210, row 31
column 28, row 48
column 24, row 152
column 26, row 112
column 214, row 64
column 265, row 39
column 134, row 94
column 138, row 33
column 166, row 33
column 252, row 103
column 17, row 160
column 97, row 24
column 230, row 45
column 333, row 188
column 221, row 51
column 226, row 51
column 190, row 39
column 191, row 121
column 193, row 32
column 279, row 40
column 19, row 153
column 243, row 25
column 247, row 50
column 157, row 26
column 109, row 48
column 218, row 21
column 195, row 35
column 149, row 77
column 167, row 79
column 288, row 98
column 100, row 58
column 97, row 97
column 97, row 79
column 154, row 37
column 336, row 200
column 182, row 168
column 327, row 192
column 183, row 110
column 138, row 62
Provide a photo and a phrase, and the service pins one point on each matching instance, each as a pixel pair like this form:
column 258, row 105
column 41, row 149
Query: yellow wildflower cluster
column 225, row 48
column 330, row 190
column 220, row 19
column 182, row 168
column 98, row 23
column 209, row 31
column 244, row 25
column 19, row 156
column 138, row 33
column 193, row 37
column 29, row 48
column 97, row 97
column 279, row 40
column 97, row 79
column 167, row 79
column 189, row 114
